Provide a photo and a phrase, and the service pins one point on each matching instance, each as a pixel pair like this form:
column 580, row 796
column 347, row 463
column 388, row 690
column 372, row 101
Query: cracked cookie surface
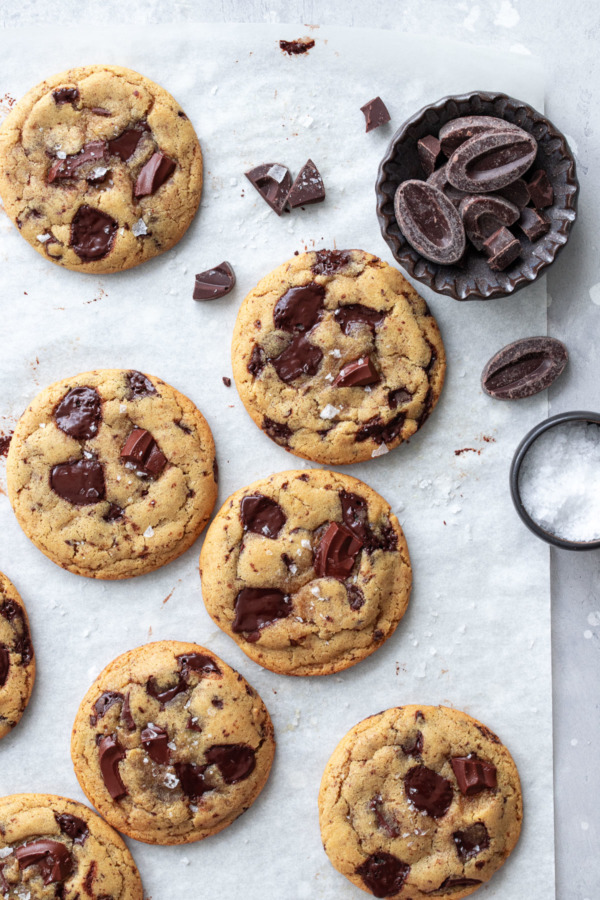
column 170, row 744
column 100, row 169
column 419, row 802
column 17, row 659
column 336, row 357
column 54, row 847
column 308, row 571
column 111, row 473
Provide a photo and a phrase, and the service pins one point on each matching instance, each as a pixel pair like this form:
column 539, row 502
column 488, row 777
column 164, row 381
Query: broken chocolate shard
column 262, row 515
column 197, row 662
column 355, row 314
column 429, row 221
column 375, row 113
column 378, row 430
column 52, row 857
column 165, row 695
column 453, row 881
column 428, row 149
column 125, row 145
column 473, row 775
column 193, row 782
column 143, row 453
column 257, row 607
column 307, row 188
column 516, row 192
column 524, row 368
column 471, row 841
column 101, row 111
column 329, row 262
column 277, row 431
column 356, row 598
column 385, row 822
column 113, row 513
column 153, row 175
column 358, row 373
column 110, row 754
column 414, row 745
column 273, row 182
column 297, row 47
column 94, row 151
column 104, row 703
column 257, row 361
column 300, row 308
column 337, row 552
column 65, row 95
column 126, row 714
column 155, row 741
column 92, row 233
column 235, row 762
column 73, row 827
column 428, row 792
column 79, row 413
column 383, row 874
column 4, row 664
column 79, row 481
column 399, row 396
column 355, row 515
column 214, row 283
column 300, row 357
column 533, row 224
column 139, row 385
column 502, row 248
column 540, row 190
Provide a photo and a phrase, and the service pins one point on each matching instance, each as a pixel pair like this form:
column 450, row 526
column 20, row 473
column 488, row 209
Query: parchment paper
column 477, row 635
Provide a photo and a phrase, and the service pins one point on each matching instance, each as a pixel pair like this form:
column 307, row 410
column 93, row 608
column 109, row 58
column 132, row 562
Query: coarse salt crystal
column 122, row 407
column 329, row 412
column 42, row 238
column 380, row 451
column 5, row 851
column 335, row 353
column 60, row 154
column 139, row 228
column 149, row 531
column 305, row 543
column 170, row 780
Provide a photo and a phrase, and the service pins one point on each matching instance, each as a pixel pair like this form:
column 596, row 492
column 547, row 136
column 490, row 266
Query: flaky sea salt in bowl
column 555, row 480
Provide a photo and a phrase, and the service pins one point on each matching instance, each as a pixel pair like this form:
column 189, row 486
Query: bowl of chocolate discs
column 477, row 195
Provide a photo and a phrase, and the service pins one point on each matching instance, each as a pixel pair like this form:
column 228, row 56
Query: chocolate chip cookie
column 112, row 473
column 54, row 847
column 419, row 802
column 336, row 357
column 100, row 169
column 308, row 571
column 170, row 744
column 17, row 660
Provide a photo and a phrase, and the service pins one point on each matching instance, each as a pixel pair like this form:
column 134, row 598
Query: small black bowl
column 515, row 468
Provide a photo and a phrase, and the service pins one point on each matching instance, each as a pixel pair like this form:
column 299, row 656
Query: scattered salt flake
column 233, row 182
column 99, row 172
column 42, row 238
column 149, row 531
column 86, row 632
column 574, row 742
column 139, row 228
column 184, row 861
column 329, row 412
column 594, row 618
column 595, row 293
column 60, row 154
column 306, row 121
column 335, row 353
column 122, row 407
column 305, row 543
column 588, row 634
column 171, row 745
column 5, row 851
column 380, row 451
column 507, row 16
column 585, row 826
column 214, row 89
column 42, row 424
column 315, row 590
column 329, row 377
column 170, row 780
column 293, row 568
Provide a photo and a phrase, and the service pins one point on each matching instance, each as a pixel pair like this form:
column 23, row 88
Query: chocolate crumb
column 294, row 48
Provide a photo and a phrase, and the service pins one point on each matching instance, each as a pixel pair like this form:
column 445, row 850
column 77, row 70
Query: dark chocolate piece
column 4, row 664
column 226, row 381
column 273, row 182
column 257, row 607
column 540, row 190
column 336, row 552
column 378, row 430
column 524, row 368
column 429, row 149
column 101, row 111
column 429, row 221
column 357, row 314
column 329, row 262
column 439, row 180
column 257, row 361
column 453, row 881
column 197, row 662
column 359, row 372
column 383, row 874
column 234, row 761
column 113, row 513
column 399, row 396
column 22, row 644
column 384, row 822
column 262, row 515
column 155, row 741
column 92, row 233
column 490, row 161
column 428, row 792
column 516, row 192
column 141, row 450
column 79, row 481
column 277, row 431
column 533, row 224
column 293, row 48
column 307, row 188
column 165, row 695
column 52, row 857
column 104, row 703
column 375, row 113
column 125, row 145
column 356, row 598
column 483, row 215
column 127, row 715
column 457, row 131
column 300, row 357
column 502, row 248
column 139, row 385
column 471, row 841
column 79, row 412
column 214, row 283
column 355, row 515
column 65, row 95
column 73, row 827
column 300, row 308
column 110, row 755
column 153, row 175
column 414, row 745
column 193, row 782
column 473, row 775
column 94, row 151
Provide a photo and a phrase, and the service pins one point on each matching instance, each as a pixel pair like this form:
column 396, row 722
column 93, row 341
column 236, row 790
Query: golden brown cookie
column 112, row 473
column 308, row 571
column 170, row 744
column 54, row 847
column 419, row 802
column 17, row 660
column 100, row 169
column 336, row 357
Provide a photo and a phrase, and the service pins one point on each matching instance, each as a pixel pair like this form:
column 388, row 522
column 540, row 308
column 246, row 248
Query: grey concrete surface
column 566, row 37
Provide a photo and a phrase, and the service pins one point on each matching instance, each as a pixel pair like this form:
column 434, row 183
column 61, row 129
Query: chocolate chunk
column 197, row 662
column 65, row 95
column 257, row 607
column 4, row 664
column 67, row 168
column 533, row 224
column 153, row 175
column 300, row 308
column 22, row 644
column 79, row 412
column 457, row 131
column 262, row 515
column 375, row 113
column 414, row 745
column 399, row 396
column 277, row 431
column 101, row 111
column 307, row 188
column 110, row 755
column 92, row 233
column 357, row 314
column 329, row 262
column 355, row 515
column 273, row 183
column 429, row 221
column 453, row 881
column 226, row 381
column 502, row 248
column 155, row 741
column 524, row 368
column 113, row 513
column 428, row 792
column 79, row 481
column 193, row 782
column 378, row 430
column 429, row 149
column 490, row 161
column 357, row 373
column 439, row 180
column 214, row 283
column 356, row 598
column 473, row 775
column 293, row 48
column 125, row 145
column 164, row 695
column 139, row 385
column 540, row 190
column 193, row 724
column 52, row 857
column 300, row 357
column 104, row 703
column 388, row 825
column 235, row 761
column 141, row 450
column 483, row 215
column 73, row 827
column 336, row 552
column 257, row 361
column 383, row 874
column 471, row 841
column 126, row 714
column 516, row 192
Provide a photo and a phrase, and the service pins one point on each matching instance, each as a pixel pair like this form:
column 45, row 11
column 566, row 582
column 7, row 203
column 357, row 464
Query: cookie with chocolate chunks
column 17, row 659
column 336, row 358
column 420, row 801
column 308, row 571
column 100, row 169
column 111, row 473
column 182, row 747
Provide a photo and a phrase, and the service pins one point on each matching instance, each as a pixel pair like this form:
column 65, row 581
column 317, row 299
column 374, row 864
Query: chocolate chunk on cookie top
column 111, row 473
column 420, row 802
column 17, row 660
column 322, row 344
column 99, row 169
column 170, row 744
column 54, row 847
column 308, row 571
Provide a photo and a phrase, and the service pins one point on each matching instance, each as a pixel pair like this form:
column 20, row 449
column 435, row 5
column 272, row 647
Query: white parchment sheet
column 477, row 634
